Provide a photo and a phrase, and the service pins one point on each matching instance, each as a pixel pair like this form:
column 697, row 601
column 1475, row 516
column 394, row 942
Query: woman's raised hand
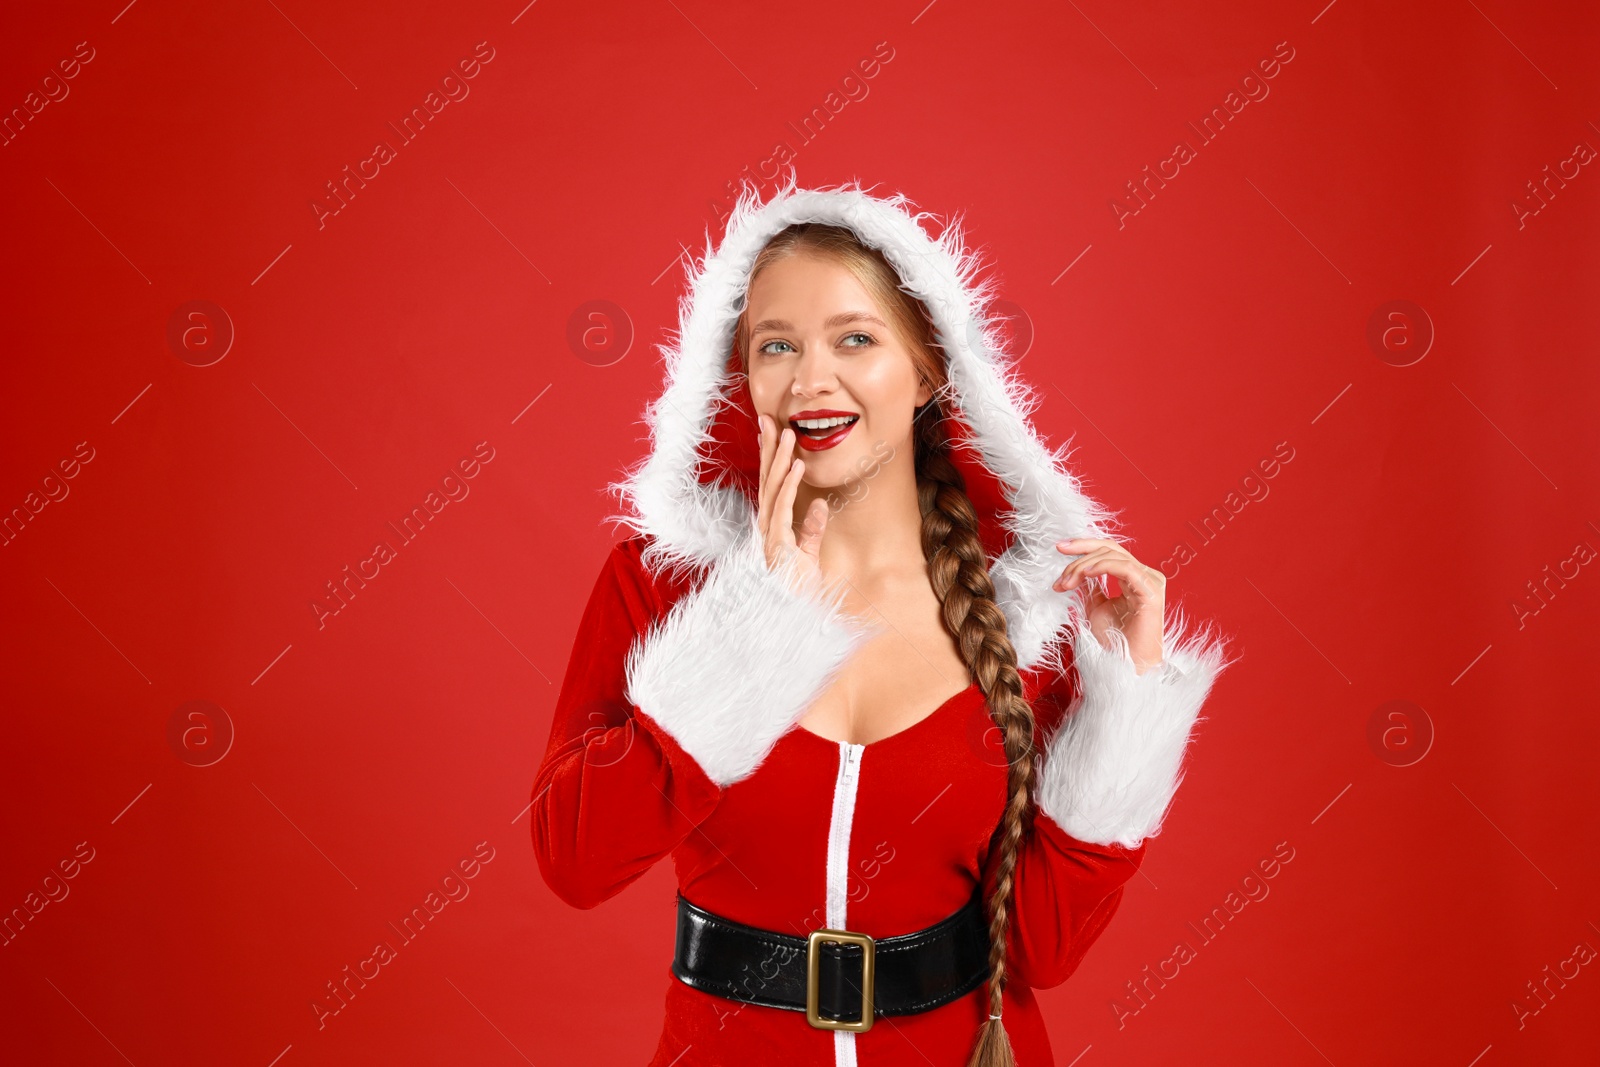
column 1138, row 612
column 775, row 522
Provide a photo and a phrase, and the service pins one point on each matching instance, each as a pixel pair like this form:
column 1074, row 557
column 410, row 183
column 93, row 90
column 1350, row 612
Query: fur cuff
column 740, row 659
column 1115, row 763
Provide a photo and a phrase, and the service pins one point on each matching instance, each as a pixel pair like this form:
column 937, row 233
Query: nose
column 814, row 372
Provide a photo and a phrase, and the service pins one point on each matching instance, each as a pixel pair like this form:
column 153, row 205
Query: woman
column 855, row 670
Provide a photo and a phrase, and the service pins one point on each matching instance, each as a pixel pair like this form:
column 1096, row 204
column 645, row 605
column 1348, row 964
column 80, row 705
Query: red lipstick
column 811, row 441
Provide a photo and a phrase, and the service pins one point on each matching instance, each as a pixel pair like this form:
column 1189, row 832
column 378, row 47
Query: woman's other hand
column 1137, row 612
column 780, row 482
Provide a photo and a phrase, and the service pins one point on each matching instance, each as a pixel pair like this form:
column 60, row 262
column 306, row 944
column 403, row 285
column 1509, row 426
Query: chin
column 830, row 469
column 848, row 462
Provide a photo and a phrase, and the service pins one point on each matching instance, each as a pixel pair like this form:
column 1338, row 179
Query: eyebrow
column 840, row 319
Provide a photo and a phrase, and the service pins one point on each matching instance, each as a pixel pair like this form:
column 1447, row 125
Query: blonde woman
column 857, row 669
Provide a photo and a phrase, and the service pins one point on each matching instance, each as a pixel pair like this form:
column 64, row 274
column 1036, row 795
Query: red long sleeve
column 1066, row 890
column 1066, row 893
column 615, row 793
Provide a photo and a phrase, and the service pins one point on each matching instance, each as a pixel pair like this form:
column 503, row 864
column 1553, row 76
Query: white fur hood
column 693, row 493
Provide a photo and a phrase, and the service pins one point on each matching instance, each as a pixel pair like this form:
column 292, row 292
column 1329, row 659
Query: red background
column 1385, row 561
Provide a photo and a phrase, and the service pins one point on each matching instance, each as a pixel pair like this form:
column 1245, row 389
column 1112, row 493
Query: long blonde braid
column 959, row 570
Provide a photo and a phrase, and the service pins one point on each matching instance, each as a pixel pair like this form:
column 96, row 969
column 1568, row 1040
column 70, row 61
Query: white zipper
column 838, row 896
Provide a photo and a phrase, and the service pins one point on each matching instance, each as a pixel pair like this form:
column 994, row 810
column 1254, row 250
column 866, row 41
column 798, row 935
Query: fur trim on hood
column 693, row 493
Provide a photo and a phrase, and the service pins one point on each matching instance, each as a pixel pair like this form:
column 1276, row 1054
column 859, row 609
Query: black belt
column 832, row 974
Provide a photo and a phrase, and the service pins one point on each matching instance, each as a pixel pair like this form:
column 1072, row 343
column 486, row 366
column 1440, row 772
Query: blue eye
column 859, row 333
column 763, row 348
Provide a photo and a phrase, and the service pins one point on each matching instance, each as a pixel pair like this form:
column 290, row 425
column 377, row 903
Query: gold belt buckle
column 813, row 971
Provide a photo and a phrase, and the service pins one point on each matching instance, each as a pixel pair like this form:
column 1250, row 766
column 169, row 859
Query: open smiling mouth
column 818, row 435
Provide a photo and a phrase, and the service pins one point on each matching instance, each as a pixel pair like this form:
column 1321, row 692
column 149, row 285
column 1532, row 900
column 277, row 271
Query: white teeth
column 824, row 424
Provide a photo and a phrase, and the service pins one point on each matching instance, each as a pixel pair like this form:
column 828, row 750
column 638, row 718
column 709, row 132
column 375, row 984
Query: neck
column 875, row 522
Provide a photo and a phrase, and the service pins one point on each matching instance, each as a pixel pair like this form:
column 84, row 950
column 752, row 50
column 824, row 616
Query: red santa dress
column 676, row 728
